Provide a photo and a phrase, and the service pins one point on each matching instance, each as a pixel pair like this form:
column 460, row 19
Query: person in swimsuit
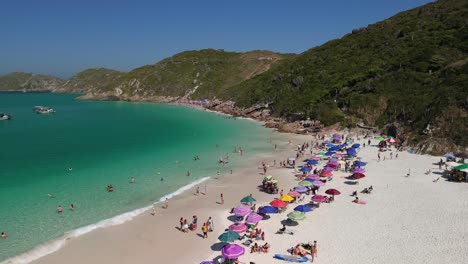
column 205, row 230
column 4, row 234
column 59, row 209
column 72, row 207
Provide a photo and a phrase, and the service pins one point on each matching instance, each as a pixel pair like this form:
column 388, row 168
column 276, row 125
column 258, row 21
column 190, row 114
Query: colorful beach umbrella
column 333, row 192
column 253, row 218
column 317, row 158
column 380, row 139
column 313, row 177
column 328, row 169
column 229, row 236
column 312, row 162
column 300, row 189
column 286, row 198
column 303, row 208
column 309, row 179
column 305, row 183
column 268, row 177
column 326, row 174
column 462, row 167
column 239, row 228
column 242, row 210
column 295, row 216
column 305, row 169
column 359, row 170
column 358, row 175
column 208, row 262
column 359, row 164
column 329, row 153
column 268, row 210
column 278, row 204
column 319, row 199
column 248, row 199
column 318, row 183
column 294, row 194
column 232, row 251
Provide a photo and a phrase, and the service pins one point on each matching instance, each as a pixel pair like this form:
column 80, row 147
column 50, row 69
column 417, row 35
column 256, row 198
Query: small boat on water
column 43, row 110
column 4, row 116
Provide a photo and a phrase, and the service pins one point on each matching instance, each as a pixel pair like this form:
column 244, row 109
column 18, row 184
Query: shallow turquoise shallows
column 76, row 152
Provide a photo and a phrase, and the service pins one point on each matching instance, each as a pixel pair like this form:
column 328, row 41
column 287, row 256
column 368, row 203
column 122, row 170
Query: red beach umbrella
column 239, row 228
column 358, row 175
column 326, row 174
column 319, row 199
column 278, row 203
column 332, row 192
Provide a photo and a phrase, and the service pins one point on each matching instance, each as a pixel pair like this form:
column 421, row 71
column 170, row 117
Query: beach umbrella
column 313, row 177
column 300, row 189
column 305, row 169
column 319, row 199
column 287, row 198
column 268, row 177
column 278, row 204
column 317, row 158
column 341, row 162
column 326, row 174
column 312, row 162
column 305, row 183
column 461, row 167
column 332, row 165
column 358, row 175
column 359, row 170
column 295, row 216
column 253, row 218
column 309, row 179
column 318, row 183
column 329, row 153
column 356, row 145
column 294, row 194
column 328, row 169
column 242, row 210
column 391, row 140
column 332, row 162
column 232, row 251
column 351, row 152
column 303, row 208
column 453, row 164
column 321, row 154
column 333, row 192
column 268, row 210
column 248, row 199
column 380, row 139
column 229, row 236
column 239, row 228
column 337, row 155
column 208, row 262
column 359, row 164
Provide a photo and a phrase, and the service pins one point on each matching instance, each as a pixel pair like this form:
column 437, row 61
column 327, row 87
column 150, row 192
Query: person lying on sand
column 354, row 193
column 356, row 200
column 365, row 190
column 265, row 247
column 254, row 248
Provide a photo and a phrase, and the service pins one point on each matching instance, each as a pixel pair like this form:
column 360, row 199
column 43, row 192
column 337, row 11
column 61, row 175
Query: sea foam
column 56, row 244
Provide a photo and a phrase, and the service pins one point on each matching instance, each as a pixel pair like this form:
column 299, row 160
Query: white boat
column 4, row 116
column 43, row 110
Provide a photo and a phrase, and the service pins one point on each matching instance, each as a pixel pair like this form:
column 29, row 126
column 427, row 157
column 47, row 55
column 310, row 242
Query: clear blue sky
column 63, row 37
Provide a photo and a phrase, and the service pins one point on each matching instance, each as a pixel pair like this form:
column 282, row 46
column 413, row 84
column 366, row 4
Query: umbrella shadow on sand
column 234, row 219
column 289, row 222
column 351, row 182
column 218, row 246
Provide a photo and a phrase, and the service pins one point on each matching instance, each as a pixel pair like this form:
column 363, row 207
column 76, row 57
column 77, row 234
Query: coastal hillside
column 192, row 74
column 90, row 79
column 20, row 81
column 409, row 72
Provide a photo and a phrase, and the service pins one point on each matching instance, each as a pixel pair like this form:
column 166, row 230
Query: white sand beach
column 406, row 219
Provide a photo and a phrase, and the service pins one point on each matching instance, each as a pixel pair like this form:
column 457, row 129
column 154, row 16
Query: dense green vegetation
column 91, row 79
column 409, row 69
column 28, row 81
column 204, row 72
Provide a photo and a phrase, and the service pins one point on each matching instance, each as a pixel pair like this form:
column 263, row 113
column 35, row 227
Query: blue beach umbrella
column 329, row 153
column 303, row 208
column 312, row 162
column 356, row 145
column 268, row 210
column 351, row 152
column 359, row 164
column 309, row 179
column 305, row 169
column 449, row 155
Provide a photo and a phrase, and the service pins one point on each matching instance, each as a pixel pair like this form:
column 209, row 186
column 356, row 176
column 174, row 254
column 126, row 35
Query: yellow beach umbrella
column 286, row 198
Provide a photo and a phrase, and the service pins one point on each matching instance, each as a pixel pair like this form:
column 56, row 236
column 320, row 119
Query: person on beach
column 4, row 234
column 198, row 191
column 181, row 222
column 222, row 199
column 206, row 189
column 205, row 231
column 356, row 200
column 153, row 212
column 166, row 203
column 185, row 226
column 313, row 251
column 59, row 209
column 132, row 180
column 378, row 155
column 188, row 173
column 72, row 207
column 210, row 224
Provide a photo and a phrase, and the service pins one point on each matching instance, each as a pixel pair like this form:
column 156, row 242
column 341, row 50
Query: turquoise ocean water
column 104, row 143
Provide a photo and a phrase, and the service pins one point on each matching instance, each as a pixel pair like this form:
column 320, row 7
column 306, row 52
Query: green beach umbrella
column 295, row 216
column 462, row 167
column 248, row 199
column 380, row 139
column 229, row 236
column 305, row 183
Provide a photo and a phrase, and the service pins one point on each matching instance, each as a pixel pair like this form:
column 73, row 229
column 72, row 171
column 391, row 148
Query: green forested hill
column 410, row 69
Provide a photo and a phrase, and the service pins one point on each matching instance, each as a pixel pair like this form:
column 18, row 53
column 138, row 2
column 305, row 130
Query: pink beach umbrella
column 318, row 183
column 319, row 199
column 333, row 192
column 333, row 162
column 316, row 158
column 358, row 175
column 313, row 177
column 242, row 210
column 239, row 228
column 295, row 194
column 232, row 251
column 254, row 218
column 337, row 155
column 359, row 170
column 328, row 169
